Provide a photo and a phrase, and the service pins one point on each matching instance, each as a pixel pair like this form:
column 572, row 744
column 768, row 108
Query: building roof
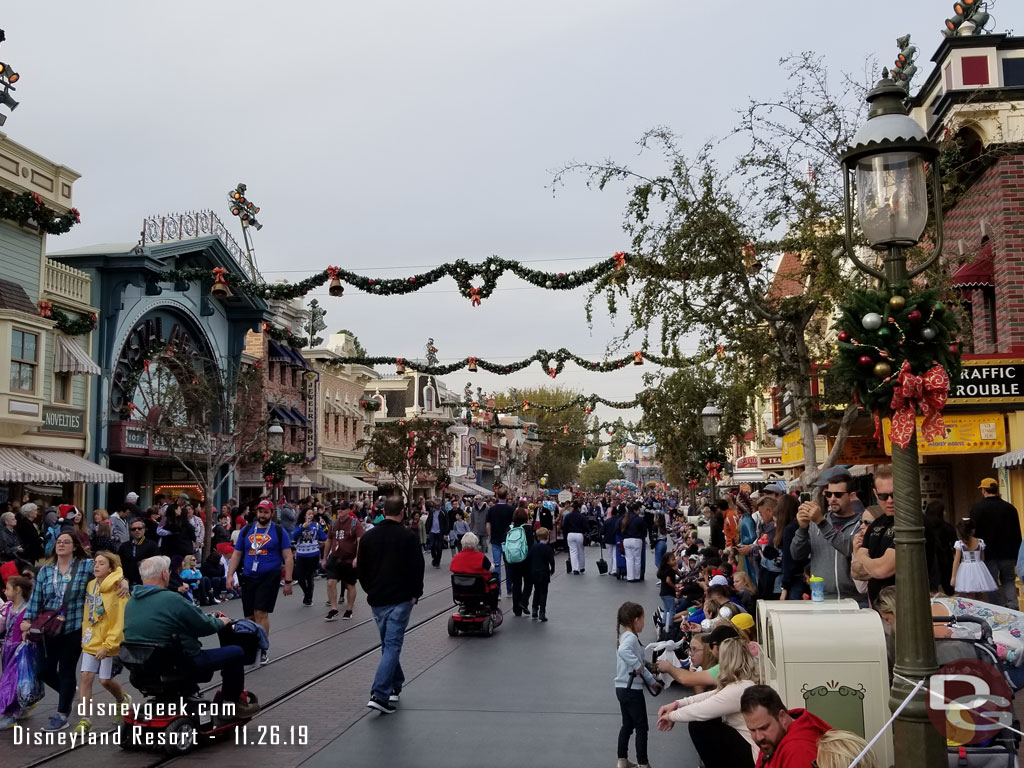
column 13, row 296
column 788, row 280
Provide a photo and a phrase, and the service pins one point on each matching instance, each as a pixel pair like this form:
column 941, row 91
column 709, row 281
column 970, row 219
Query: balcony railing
column 66, row 284
column 187, row 226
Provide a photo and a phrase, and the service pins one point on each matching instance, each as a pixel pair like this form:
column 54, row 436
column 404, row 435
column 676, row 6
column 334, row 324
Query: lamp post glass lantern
column 889, row 157
column 711, row 420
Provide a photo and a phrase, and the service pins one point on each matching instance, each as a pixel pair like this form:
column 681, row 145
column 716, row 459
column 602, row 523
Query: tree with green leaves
column 315, row 323
column 408, row 450
column 596, row 474
column 557, row 458
column 745, row 255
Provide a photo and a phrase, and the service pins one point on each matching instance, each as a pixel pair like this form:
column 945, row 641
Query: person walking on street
column 390, row 569
column 499, row 520
column 575, row 526
column 997, row 523
column 541, row 560
column 478, row 522
column 518, row 540
column 262, row 548
column 308, row 538
column 340, row 558
column 438, row 525
column 135, row 550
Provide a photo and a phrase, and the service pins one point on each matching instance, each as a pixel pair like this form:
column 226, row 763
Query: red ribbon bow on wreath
column 474, row 296
column 620, row 260
column 912, row 393
column 712, row 467
column 693, row 483
column 45, row 308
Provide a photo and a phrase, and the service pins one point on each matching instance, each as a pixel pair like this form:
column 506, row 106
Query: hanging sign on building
column 965, row 433
column 989, row 380
column 310, row 380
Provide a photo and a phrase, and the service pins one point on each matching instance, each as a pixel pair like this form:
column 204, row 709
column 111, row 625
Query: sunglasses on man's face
column 138, row 528
column 883, row 496
column 835, row 494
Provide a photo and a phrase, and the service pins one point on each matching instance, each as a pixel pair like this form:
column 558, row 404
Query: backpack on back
column 515, row 548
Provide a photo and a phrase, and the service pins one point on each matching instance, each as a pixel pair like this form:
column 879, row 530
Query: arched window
column 383, row 410
column 430, row 397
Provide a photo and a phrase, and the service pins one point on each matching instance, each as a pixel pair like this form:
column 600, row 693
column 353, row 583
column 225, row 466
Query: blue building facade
column 140, row 309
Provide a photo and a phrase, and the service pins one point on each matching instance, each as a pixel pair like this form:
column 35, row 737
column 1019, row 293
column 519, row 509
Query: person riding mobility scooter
column 166, row 663
column 475, row 590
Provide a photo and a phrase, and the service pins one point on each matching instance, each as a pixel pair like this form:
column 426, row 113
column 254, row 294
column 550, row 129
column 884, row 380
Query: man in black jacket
column 390, row 569
column 438, row 526
column 135, row 550
column 997, row 524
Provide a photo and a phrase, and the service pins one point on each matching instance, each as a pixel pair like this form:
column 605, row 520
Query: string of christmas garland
column 556, row 441
column 67, row 324
column 275, row 463
column 29, row 207
column 284, row 336
column 552, row 362
column 475, row 281
column 588, row 401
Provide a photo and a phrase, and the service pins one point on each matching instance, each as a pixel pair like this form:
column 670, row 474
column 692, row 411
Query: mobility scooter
column 477, row 600
column 174, row 716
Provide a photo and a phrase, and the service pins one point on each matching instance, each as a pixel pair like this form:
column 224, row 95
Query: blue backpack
column 515, row 548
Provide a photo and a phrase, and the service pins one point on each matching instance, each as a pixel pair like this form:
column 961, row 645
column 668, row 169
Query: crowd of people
column 68, row 581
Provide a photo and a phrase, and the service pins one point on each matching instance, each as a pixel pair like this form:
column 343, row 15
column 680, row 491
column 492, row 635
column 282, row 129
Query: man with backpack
column 499, row 520
column 340, row 556
column 263, row 546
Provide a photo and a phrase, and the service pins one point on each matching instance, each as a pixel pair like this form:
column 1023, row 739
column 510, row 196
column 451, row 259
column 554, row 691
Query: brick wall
column 997, row 198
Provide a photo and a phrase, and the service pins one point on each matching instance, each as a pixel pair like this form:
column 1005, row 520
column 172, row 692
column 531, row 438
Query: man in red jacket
column 786, row 738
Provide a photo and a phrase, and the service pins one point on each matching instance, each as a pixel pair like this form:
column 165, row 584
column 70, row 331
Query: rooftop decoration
column 969, row 18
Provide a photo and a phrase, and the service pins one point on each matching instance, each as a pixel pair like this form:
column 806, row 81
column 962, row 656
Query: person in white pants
column 576, row 551
column 634, row 548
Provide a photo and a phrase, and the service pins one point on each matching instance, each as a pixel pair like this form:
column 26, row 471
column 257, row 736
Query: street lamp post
column 889, row 155
column 711, row 423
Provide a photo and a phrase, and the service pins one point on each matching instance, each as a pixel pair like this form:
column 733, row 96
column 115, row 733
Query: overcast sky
column 389, row 137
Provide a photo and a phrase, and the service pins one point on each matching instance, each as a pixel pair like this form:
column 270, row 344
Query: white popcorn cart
column 829, row 658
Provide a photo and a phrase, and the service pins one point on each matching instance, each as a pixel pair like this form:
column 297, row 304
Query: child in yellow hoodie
column 102, row 633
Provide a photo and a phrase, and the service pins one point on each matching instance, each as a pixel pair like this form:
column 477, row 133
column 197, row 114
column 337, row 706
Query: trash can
column 830, row 659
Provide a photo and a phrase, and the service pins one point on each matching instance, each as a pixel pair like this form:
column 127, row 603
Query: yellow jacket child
column 103, row 615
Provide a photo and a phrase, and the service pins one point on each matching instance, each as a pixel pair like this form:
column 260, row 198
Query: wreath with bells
column 880, row 331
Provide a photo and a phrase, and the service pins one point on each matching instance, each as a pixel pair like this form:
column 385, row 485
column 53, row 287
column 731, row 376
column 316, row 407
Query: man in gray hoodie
column 478, row 521
column 827, row 538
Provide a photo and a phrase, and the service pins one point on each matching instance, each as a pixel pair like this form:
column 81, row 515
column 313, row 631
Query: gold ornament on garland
column 897, row 303
column 882, row 369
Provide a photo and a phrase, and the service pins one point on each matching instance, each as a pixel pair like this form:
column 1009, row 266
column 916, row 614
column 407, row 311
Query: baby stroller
column 973, row 641
column 477, row 599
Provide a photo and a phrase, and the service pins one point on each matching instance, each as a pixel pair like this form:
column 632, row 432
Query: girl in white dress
column 970, row 575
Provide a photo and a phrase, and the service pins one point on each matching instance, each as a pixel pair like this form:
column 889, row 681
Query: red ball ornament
column 844, row 336
column 954, row 349
column 866, row 361
column 412, row 279
column 915, row 317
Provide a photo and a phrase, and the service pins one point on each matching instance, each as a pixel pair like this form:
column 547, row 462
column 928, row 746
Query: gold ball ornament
column 882, row 369
column 897, row 303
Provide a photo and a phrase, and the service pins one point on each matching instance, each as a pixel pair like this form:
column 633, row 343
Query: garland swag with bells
column 899, row 350
column 475, row 281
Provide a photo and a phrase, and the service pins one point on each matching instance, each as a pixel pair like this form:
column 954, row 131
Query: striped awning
column 81, row 470
column 17, row 467
column 69, row 357
column 341, row 482
column 1009, row 460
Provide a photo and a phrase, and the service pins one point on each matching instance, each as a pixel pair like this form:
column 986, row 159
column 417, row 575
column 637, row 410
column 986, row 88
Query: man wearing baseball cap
column 262, row 548
column 997, row 524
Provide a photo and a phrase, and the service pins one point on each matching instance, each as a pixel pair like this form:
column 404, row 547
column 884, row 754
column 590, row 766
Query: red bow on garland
column 474, row 296
column 620, row 260
column 693, row 483
column 472, row 363
column 912, row 393
column 713, row 468
column 220, row 276
column 45, row 308
column 332, row 272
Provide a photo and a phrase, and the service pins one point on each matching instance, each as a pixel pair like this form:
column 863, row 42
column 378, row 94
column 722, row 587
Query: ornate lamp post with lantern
column 711, row 424
column 889, row 157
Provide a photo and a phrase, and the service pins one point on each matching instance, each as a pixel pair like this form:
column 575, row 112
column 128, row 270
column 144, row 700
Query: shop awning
column 297, row 357
column 339, row 481
column 460, row 489
column 277, row 353
column 69, row 357
column 83, row 470
column 299, row 418
column 1009, row 460
column 284, row 415
column 18, row 467
column 473, row 488
column 977, row 273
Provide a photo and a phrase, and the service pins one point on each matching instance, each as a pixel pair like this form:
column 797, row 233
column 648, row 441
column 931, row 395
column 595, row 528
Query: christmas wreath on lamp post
column 899, row 350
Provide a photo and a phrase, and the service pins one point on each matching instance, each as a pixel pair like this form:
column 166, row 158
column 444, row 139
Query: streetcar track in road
column 280, row 698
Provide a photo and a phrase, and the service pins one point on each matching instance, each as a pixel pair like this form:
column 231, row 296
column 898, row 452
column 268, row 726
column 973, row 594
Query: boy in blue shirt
column 263, row 546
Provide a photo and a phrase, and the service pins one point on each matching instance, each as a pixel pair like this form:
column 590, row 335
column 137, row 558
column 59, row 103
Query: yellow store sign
column 965, row 433
column 792, row 447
